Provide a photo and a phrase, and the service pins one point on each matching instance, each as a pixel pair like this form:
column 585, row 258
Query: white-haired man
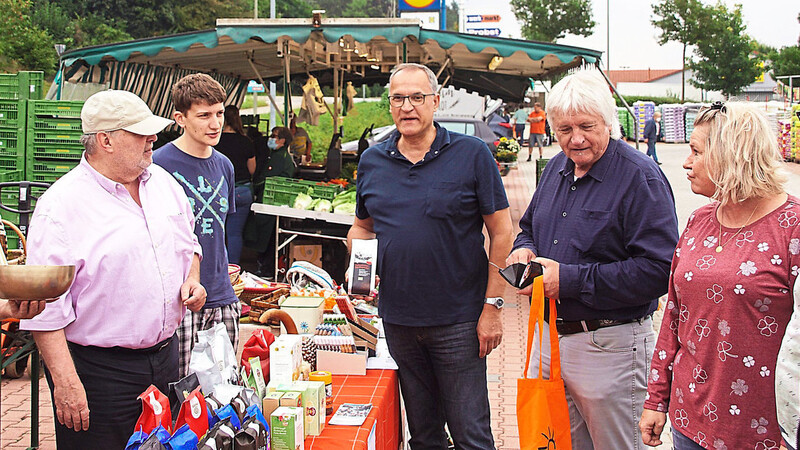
column 127, row 227
column 426, row 194
column 602, row 223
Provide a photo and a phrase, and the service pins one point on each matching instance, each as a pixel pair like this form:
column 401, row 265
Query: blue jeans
column 442, row 380
column 682, row 442
column 234, row 225
column 651, row 151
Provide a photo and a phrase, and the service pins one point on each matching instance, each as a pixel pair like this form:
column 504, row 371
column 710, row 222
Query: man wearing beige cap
column 126, row 226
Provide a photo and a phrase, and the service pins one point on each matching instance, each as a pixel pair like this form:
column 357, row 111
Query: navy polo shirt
column 613, row 232
column 427, row 218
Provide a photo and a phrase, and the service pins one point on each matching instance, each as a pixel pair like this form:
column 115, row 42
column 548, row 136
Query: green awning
column 364, row 50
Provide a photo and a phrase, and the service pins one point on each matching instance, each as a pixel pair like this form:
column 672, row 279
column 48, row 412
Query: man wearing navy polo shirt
column 426, row 194
column 602, row 223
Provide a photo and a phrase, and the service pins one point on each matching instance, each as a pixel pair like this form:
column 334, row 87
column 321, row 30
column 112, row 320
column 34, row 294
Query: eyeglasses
column 415, row 99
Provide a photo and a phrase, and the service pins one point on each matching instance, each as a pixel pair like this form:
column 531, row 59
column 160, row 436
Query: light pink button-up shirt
column 130, row 261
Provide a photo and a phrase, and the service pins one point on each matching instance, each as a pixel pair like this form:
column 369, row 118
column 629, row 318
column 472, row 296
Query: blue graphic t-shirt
column 209, row 185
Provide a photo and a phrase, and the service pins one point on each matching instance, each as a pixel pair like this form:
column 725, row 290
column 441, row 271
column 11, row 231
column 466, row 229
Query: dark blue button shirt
column 428, row 220
column 612, row 231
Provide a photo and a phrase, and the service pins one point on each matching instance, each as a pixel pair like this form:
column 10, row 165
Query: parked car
column 464, row 125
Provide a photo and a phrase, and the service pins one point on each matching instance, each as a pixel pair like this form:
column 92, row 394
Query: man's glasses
column 415, row 99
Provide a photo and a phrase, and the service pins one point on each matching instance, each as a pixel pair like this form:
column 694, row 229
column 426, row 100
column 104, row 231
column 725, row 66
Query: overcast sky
column 633, row 38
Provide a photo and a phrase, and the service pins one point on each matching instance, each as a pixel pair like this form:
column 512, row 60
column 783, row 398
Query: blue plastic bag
column 255, row 411
column 227, row 411
column 183, row 439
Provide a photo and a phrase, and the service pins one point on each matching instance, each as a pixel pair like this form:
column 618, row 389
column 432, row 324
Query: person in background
column 537, row 119
column 207, row 178
column 519, row 120
column 240, row 150
column 652, row 133
column 730, row 291
column 300, row 144
column 127, row 227
column 260, row 232
column 787, row 376
column 425, row 194
column 602, row 222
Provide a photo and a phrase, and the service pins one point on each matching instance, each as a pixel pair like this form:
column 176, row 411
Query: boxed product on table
column 314, row 403
column 292, row 398
column 285, row 356
column 286, row 429
column 271, row 402
column 305, row 311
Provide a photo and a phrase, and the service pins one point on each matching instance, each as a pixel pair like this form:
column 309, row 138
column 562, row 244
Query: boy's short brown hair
column 197, row 88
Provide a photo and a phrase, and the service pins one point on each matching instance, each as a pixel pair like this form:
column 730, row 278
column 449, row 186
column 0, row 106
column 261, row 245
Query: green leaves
column 548, row 20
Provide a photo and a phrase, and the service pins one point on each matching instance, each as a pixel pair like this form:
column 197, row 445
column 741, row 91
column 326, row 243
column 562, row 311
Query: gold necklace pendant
column 719, row 248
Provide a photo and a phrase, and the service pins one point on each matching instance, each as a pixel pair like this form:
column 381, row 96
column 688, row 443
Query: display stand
column 285, row 212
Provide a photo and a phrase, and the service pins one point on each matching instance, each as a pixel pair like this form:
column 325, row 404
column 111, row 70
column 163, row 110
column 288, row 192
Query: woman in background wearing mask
column 260, row 229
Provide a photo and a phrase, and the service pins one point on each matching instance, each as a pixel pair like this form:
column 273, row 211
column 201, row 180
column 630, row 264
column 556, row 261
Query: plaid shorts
column 203, row 320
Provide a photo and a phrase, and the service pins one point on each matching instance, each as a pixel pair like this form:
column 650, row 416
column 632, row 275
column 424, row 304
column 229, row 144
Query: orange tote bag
column 542, row 412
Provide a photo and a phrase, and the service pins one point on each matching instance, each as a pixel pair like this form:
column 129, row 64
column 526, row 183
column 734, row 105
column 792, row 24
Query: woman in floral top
column 730, row 297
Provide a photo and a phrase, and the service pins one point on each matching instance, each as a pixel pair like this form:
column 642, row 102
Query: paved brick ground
column 505, row 364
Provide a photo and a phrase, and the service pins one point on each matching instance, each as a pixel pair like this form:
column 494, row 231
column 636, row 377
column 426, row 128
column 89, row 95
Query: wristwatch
column 497, row 302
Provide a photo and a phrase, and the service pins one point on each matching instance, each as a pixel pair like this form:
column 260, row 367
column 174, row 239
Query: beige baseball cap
column 120, row 110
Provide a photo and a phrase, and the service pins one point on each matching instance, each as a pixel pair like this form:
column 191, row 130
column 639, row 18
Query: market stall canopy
column 364, row 51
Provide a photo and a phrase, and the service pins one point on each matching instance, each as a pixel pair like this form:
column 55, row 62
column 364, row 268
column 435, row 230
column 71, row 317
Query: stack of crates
column 626, row 121
column 15, row 91
column 673, row 125
column 643, row 111
column 785, row 138
column 53, row 140
column 795, row 134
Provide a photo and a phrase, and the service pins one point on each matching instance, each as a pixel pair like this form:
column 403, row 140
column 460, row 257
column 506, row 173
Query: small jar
column 326, row 378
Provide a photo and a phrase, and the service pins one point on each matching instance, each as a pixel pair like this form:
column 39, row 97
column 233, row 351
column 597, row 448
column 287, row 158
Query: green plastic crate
column 283, row 191
column 11, row 176
column 9, row 86
column 21, row 86
column 37, row 136
column 56, row 151
column 12, row 113
column 49, row 171
column 56, row 123
column 9, row 143
column 31, row 85
column 54, row 108
column 9, row 164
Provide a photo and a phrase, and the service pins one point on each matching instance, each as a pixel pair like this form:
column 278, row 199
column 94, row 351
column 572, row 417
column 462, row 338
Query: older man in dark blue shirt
column 426, row 194
column 602, row 223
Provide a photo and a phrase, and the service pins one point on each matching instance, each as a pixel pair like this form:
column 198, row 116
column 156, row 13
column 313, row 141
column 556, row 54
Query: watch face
column 499, row 302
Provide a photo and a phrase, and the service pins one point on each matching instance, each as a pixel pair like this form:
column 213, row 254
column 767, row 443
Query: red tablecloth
column 378, row 387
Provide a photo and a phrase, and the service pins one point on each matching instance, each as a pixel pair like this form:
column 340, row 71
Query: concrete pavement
column 505, row 363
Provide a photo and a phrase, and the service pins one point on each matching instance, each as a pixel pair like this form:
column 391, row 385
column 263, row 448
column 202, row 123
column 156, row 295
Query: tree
column 725, row 62
column 451, row 17
column 785, row 61
column 548, row 20
column 24, row 45
column 679, row 21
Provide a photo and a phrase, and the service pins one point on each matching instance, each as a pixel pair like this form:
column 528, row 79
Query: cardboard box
column 339, row 363
column 306, row 312
column 286, row 429
column 285, row 356
column 305, row 252
column 314, row 404
column 271, row 402
column 292, row 398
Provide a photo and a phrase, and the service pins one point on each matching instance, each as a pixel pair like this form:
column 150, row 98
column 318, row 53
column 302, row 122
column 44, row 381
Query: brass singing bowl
column 21, row 283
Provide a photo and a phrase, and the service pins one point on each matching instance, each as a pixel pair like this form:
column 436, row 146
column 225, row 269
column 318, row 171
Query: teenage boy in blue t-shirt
column 206, row 176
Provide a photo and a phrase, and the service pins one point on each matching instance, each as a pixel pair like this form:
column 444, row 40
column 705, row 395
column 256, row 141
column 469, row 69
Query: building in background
column 659, row 83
